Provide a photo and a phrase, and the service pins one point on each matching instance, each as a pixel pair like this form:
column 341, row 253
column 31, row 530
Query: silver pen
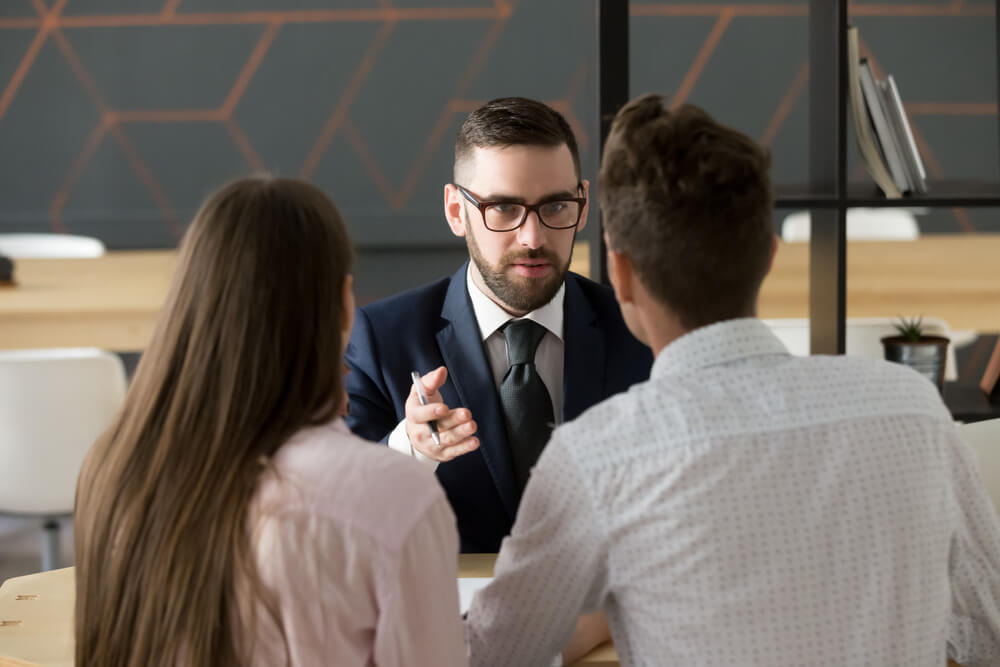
column 419, row 386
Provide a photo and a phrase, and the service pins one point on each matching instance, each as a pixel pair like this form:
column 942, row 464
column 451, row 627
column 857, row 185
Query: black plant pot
column 6, row 270
column 927, row 356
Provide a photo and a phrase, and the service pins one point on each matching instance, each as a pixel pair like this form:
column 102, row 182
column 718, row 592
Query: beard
column 519, row 294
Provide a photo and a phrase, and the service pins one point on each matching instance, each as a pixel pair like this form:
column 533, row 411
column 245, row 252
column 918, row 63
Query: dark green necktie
column 527, row 406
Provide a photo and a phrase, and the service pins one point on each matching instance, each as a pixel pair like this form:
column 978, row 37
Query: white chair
column 984, row 438
column 50, row 246
column 863, row 337
column 53, row 404
column 863, row 224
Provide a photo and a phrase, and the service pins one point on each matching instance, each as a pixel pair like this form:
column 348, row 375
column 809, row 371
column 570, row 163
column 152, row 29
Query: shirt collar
column 719, row 343
column 491, row 317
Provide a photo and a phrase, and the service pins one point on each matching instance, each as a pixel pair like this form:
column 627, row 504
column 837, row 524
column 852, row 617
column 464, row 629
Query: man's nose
column 532, row 233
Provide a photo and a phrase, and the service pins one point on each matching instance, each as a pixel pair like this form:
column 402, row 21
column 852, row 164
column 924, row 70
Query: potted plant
column 911, row 347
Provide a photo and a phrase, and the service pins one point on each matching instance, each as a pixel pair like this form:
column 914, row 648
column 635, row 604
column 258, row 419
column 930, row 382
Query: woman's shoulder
column 327, row 471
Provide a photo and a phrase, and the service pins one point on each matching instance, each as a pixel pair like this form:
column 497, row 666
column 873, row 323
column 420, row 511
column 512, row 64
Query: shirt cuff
column 399, row 441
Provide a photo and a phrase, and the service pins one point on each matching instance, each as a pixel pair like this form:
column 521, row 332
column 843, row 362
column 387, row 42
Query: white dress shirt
column 491, row 317
column 748, row 507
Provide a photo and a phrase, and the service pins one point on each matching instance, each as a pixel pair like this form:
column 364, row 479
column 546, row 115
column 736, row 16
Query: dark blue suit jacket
column 434, row 325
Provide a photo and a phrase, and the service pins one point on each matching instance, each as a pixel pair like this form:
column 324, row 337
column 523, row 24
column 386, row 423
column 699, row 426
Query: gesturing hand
column 455, row 427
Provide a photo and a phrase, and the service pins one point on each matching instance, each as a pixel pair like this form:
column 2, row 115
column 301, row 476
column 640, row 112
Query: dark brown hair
column 514, row 121
column 689, row 202
column 247, row 351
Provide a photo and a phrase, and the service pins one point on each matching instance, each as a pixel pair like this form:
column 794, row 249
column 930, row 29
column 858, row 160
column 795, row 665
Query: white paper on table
column 467, row 587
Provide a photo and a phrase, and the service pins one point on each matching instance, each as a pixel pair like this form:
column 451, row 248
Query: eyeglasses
column 506, row 216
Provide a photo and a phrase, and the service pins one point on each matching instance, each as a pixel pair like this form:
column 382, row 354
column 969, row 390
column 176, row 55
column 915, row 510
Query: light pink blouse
column 357, row 549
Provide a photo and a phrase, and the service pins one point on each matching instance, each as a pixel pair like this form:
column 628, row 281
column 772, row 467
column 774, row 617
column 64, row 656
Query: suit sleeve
column 371, row 414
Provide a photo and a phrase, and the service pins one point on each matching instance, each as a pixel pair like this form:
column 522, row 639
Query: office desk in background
column 112, row 302
column 109, row 302
column 36, row 617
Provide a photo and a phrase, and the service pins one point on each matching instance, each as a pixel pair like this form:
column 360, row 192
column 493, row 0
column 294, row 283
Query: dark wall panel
column 123, row 116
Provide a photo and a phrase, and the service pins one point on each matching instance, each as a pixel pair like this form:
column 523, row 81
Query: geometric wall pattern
column 118, row 116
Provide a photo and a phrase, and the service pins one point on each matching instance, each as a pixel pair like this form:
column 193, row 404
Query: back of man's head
column 514, row 121
column 688, row 201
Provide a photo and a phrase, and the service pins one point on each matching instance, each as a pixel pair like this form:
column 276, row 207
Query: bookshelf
column 828, row 139
column 828, row 195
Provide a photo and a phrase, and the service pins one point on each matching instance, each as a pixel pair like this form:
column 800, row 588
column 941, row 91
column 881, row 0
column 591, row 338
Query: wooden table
column 112, row 302
column 954, row 277
column 109, row 302
column 36, row 617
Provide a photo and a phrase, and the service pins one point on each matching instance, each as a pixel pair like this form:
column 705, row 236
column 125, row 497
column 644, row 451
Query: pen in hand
column 419, row 386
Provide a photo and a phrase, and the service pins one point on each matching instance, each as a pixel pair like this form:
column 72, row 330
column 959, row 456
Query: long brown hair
column 247, row 351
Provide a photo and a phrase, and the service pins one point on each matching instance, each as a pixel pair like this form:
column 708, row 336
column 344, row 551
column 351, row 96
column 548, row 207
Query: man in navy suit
column 509, row 345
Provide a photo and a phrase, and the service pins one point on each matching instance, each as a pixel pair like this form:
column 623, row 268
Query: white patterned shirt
column 748, row 507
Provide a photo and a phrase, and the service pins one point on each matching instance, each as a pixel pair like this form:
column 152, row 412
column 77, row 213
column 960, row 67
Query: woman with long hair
column 228, row 516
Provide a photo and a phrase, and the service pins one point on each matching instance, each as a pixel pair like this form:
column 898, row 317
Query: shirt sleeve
column 400, row 442
column 974, row 567
column 419, row 621
column 550, row 570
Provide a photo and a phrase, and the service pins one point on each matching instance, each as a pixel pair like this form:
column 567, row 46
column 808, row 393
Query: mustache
column 537, row 253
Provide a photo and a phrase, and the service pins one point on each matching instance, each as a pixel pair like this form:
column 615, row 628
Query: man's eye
column 504, row 209
column 554, row 208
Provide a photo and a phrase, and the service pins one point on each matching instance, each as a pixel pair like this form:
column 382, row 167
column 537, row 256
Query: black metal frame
column 612, row 83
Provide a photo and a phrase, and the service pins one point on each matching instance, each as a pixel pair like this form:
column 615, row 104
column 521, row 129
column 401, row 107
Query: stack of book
column 881, row 127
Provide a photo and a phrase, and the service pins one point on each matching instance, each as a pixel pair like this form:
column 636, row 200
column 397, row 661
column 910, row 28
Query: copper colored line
column 964, row 221
column 371, row 166
column 714, row 9
column 577, row 82
column 468, row 106
column 786, row 104
column 169, row 8
column 433, row 140
column 563, row 107
column 22, row 70
column 293, row 16
column 504, row 8
column 148, row 180
column 168, row 116
column 922, row 10
column 135, row 160
column 83, row 159
column 15, row 23
column 951, row 108
column 80, row 71
column 243, row 143
column 339, row 115
column 802, row 9
column 704, row 54
column 250, row 68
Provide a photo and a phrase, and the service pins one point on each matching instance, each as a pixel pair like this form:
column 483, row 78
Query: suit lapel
column 468, row 371
column 584, row 353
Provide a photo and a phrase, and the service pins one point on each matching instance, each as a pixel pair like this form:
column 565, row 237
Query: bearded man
column 510, row 345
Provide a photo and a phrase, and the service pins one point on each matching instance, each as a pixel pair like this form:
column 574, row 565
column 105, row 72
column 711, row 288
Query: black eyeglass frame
column 528, row 208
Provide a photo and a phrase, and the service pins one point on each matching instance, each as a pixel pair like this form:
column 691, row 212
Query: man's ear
column 586, row 207
column 453, row 204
